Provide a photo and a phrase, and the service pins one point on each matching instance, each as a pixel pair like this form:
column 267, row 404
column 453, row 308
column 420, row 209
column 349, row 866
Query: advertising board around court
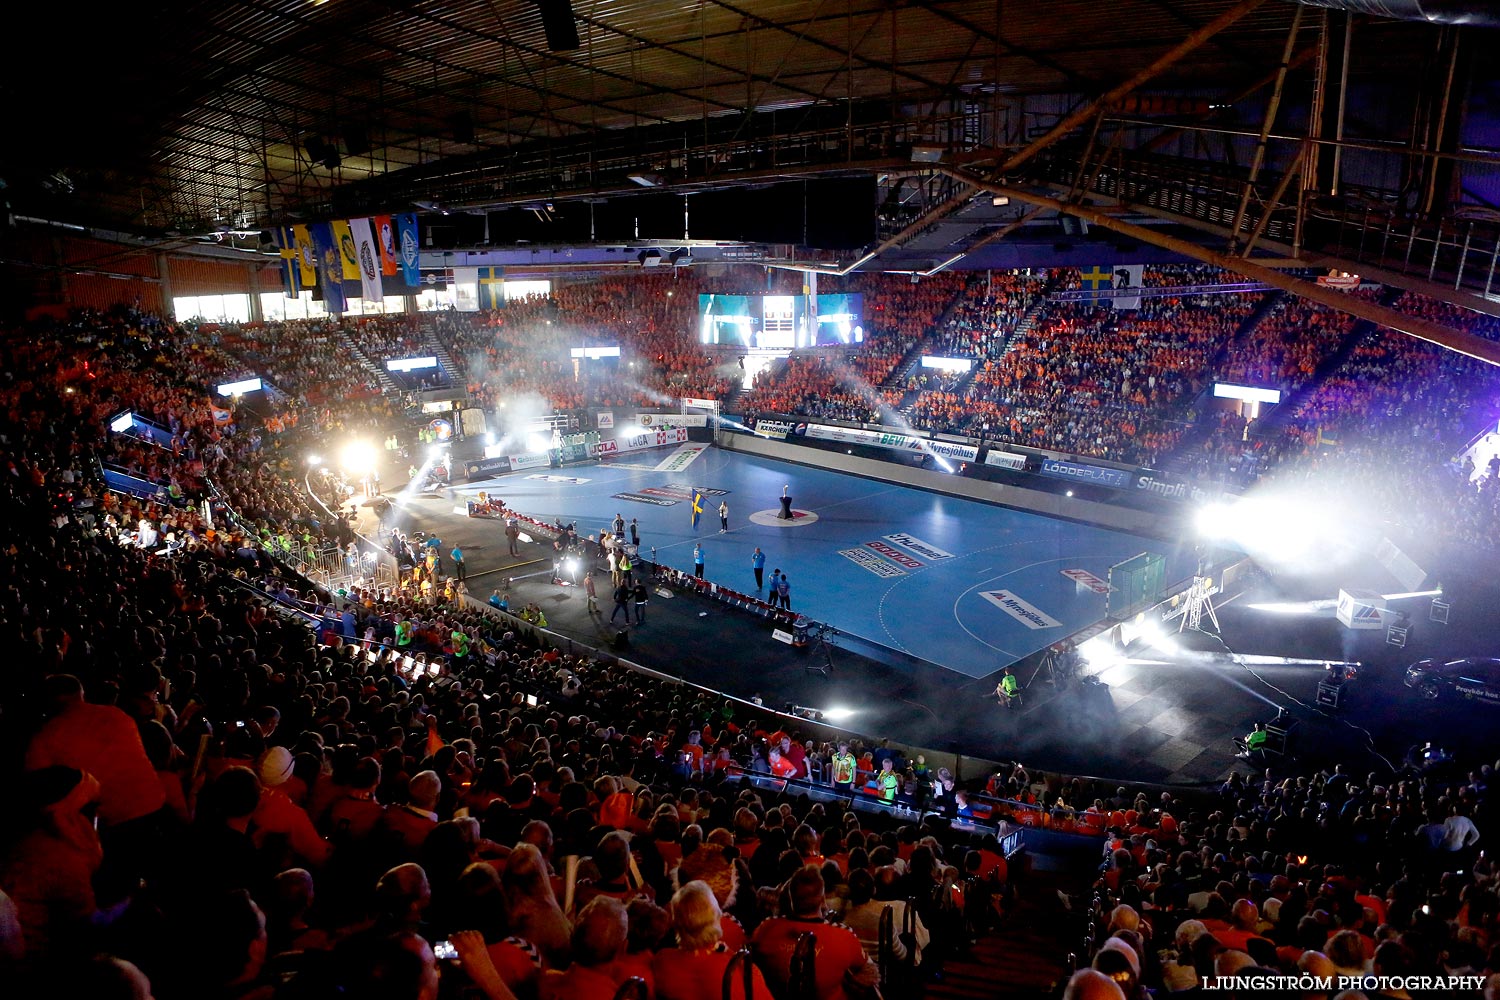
column 658, row 438
column 479, row 468
column 653, row 420
column 1005, row 459
column 530, row 460
column 892, row 440
column 1078, row 472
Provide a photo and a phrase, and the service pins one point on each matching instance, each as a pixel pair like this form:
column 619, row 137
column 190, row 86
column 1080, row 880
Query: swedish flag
column 697, row 507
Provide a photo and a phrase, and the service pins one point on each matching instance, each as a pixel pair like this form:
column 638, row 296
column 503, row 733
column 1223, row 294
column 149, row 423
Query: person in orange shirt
column 780, row 766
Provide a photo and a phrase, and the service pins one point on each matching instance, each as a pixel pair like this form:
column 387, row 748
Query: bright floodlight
column 571, row 565
column 837, row 714
column 1099, row 652
column 1214, row 521
column 1280, row 530
column 314, row 460
column 358, row 457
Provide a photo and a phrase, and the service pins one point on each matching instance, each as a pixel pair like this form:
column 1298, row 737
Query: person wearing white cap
column 280, row 821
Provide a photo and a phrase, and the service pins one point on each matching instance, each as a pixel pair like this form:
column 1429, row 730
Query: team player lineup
column 967, row 585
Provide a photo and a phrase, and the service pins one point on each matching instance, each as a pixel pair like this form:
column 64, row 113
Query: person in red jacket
column 102, row 741
column 279, row 824
column 695, row 968
column 599, row 938
column 405, row 827
column 841, row 958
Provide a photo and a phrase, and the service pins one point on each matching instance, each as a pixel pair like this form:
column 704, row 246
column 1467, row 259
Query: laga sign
column 1087, row 580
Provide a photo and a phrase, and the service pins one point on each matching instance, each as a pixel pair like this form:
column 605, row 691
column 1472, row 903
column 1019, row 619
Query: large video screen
column 781, row 322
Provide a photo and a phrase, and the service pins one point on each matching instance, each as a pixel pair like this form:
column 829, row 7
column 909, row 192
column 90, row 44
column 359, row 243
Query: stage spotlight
column 1100, row 653
column 1214, row 521
column 489, row 439
column 837, row 714
column 358, row 457
column 314, row 460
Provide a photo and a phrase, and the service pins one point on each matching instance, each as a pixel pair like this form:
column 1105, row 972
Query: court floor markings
column 997, row 579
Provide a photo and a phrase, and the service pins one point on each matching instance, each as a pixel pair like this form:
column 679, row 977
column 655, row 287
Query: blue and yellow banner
column 307, row 256
column 491, row 287
column 348, row 254
column 697, row 507
column 329, row 268
column 291, row 273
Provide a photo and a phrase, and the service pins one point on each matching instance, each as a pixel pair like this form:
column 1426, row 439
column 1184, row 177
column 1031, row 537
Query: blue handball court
column 964, row 584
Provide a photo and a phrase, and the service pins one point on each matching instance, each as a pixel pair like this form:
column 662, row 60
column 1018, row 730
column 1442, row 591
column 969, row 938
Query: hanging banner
column 368, row 254
column 491, row 287
column 307, row 256
column 291, row 274
column 348, row 257
column 329, row 272
column 1127, row 277
column 408, row 249
column 465, row 289
column 385, row 236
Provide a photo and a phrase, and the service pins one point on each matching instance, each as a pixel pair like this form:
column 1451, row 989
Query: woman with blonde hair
column 532, row 905
column 695, row 967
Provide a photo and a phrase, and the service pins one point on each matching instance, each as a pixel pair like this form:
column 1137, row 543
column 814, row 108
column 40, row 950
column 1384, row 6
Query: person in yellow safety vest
column 1009, row 689
column 625, row 565
column 1254, row 740
column 887, row 781
column 844, row 766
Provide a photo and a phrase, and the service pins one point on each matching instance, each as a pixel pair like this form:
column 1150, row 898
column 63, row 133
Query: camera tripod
column 821, row 635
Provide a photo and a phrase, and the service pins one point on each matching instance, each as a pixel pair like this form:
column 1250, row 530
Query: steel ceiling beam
column 1159, row 65
column 1434, row 333
column 881, row 65
column 1077, row 117
column 673, row 47
column 1034, row 56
